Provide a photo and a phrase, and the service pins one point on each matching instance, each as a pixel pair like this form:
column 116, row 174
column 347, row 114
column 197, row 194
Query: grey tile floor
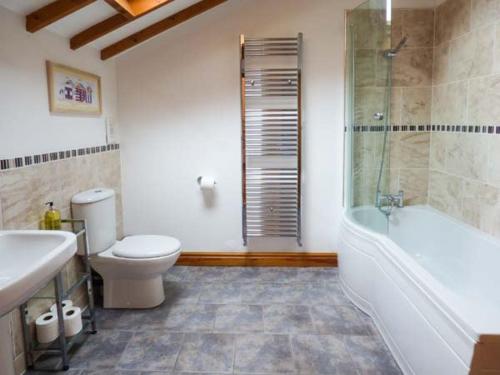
column 231, row 320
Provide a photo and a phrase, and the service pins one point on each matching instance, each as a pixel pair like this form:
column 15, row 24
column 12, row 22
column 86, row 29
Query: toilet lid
column 146, row 247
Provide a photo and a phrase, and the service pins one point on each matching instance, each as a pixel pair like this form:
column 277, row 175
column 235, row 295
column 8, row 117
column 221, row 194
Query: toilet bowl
column 132, row 268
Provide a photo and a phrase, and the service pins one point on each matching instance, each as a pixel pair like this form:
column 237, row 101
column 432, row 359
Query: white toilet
column 131, row 269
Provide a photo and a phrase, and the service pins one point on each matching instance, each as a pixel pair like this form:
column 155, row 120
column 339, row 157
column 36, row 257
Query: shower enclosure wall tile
column 480, row 206
column 367, row 104
column 366, row 67
column 416, row 106
column 484, row 100
column 446, row 193
column 484, row 12
column 414, row 182
column 437, row 154
column 467, row 155
column 472, row 54
column 409, row 150
column 449, row 103
column 418, row 25
column 496, row 59
column 371, row 32
column 440, row 64
column 413, row 67
column 494, row 164
column 452, row 20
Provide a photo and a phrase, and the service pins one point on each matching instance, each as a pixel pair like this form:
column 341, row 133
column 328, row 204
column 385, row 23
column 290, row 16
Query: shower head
column 394, row 51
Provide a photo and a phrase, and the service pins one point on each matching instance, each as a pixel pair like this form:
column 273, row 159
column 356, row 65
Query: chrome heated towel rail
column 271, row 136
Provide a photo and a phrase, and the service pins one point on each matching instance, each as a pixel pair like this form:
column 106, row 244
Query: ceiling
column 92, row 14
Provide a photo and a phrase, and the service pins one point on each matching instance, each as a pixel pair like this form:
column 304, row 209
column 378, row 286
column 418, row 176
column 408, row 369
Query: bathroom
column 392, row 112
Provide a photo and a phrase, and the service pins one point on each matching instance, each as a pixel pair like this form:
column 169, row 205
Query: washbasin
column 28, row 260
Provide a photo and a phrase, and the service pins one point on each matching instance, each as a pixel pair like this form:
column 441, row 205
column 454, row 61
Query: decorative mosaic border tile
column 477, row 129
column 25, row 161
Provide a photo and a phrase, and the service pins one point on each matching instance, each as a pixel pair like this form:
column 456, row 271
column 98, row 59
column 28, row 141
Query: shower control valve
column 378, row 116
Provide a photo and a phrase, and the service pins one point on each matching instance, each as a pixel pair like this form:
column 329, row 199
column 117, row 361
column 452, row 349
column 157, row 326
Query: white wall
column 179, row 117
column 26, row 125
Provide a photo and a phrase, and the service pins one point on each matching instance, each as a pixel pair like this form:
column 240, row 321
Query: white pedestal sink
column 29, row 259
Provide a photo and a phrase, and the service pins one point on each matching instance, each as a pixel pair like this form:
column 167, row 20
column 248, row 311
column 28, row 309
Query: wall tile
column 437, row 152
column 418, row 25
column 416, row 106
column 24, row 191
column 414, row 183
column 440, row 73
column 365, row 68
column 467, row 155
column 446, row 193
column 409, row 150
column 413, row 67
column 371, row 30
column 494, row 161
column 496, row 59
column 481, row 206
column 449, row 103
column 370, row 100
column 484, row 12
column 452, row 20
column 472, row 54
column 484, row 100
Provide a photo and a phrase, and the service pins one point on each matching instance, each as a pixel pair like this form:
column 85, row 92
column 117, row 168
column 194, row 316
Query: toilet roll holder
column 200, row 178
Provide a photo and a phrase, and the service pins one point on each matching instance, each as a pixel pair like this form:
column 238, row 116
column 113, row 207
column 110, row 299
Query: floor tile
column 321, row 355
column 205, row 274
column 275, row 294
column 110, row 372
column 143, row 319
column 210, row 352
column 69, row 372
column 181, row 292
column 222, row 293
column 371, row 355
column 108, row 318
column 263, row 354
column 151, row 350
column 277, row 275
column 239, row 318
column 102, row 350
column 317, row 294
column 318, row 274
column 340, row 319
column 287, row 319
column 189, row 318
column 242, row 275
column 176, row 274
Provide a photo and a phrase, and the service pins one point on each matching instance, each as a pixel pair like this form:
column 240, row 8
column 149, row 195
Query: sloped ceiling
column 92, row 14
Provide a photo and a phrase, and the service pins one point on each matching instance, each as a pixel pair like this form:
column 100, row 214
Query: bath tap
column 392, row 200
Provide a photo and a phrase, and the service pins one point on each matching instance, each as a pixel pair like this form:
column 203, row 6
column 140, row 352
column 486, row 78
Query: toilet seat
column 145, row 247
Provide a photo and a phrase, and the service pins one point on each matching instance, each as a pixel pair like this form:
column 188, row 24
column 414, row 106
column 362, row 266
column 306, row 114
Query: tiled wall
column 408, row 152
column 464, row 178
column 24, row 190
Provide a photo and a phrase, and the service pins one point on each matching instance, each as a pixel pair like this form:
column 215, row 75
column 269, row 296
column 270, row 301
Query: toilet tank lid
column 92, row 195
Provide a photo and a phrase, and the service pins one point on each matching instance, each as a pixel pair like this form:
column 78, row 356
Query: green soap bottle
column 52, row 218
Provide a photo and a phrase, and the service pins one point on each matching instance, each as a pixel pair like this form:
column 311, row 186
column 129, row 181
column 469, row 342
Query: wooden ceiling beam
column 123, row 7
column 110, row 24
column 53, row 12
column 158, row 28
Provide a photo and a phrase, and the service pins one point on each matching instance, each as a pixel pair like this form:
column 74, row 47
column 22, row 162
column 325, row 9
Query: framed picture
column 73, row 91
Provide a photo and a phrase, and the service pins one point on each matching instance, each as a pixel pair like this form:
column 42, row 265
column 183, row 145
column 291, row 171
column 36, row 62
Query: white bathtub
column 431, row 283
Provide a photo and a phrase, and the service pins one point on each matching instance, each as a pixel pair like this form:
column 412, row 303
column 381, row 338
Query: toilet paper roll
column 207, row 183
column 72, row 320
column 47, row 329
column 65, row 303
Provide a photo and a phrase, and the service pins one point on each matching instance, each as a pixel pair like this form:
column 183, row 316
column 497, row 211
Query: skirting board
column 257, row 259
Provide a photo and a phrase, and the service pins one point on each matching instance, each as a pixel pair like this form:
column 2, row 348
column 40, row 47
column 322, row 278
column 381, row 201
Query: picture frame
column 73, row 91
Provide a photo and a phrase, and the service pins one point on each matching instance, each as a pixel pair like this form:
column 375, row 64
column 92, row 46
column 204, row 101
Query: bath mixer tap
column 390, row 200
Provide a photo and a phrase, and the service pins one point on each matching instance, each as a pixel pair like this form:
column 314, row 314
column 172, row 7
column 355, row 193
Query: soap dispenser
column 52, row 217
